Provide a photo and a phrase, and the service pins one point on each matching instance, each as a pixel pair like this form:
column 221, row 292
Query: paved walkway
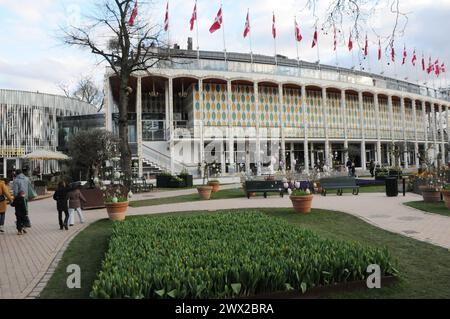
column 24, row 260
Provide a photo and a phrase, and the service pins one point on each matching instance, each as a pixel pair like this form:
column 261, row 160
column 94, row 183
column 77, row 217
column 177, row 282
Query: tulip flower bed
column 226, row 255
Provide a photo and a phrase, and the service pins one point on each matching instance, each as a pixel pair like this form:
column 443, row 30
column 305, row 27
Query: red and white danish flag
column 334, row 39
column 423, row 63
column 217, row 22
column 193, row 17
column 298, row 35
column 414, row 58
column 166, row 19
column 134, row 14
column 405, row 55
column 379, row 49
column 366, row 47
column 314, row 42
column 350, row 42
column 247, row 25
column 274, row 28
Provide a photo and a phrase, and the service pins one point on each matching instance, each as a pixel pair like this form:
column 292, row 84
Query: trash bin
column 391, row 186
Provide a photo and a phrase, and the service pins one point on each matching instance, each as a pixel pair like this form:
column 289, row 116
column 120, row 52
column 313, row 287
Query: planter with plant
column 302, row 200
column 116, row 197
column 188, row 178
column 205, row 190
column 176, row 182
column 446, row 195
column 41, row 187
column 215, row 185
column 163, row 180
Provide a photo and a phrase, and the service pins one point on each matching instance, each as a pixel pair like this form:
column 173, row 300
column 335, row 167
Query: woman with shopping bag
column 5, row 198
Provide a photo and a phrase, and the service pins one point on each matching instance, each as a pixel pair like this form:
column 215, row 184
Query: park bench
column 339, row 183
column 264, row 187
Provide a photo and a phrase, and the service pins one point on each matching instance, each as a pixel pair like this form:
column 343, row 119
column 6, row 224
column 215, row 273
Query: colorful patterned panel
column 398, row 123
column 269, row 107
column 335, row 117
column 292, row 108
column 369, row 118
column 409, row 121
column 385, row 124
column 315, row 113
column 243, row 110
column 352, row 116
column 215, row 104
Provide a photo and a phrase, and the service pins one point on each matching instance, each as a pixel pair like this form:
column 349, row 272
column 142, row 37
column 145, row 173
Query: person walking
column 372, row 168
column 21, row 205
column 75, row 198
column 5, row 198
column 22, row 183
column 349, row 165
column 61, row 198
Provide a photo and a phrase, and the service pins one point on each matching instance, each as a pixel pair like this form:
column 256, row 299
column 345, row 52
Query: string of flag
column 437, row 68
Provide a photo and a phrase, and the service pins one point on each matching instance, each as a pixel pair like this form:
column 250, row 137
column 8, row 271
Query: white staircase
column 157, row 157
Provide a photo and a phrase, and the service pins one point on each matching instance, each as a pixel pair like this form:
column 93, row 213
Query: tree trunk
column 125, row 151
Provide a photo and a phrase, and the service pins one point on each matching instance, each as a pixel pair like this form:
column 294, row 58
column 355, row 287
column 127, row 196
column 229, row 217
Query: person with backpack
column 61, row 198
column 5, row 198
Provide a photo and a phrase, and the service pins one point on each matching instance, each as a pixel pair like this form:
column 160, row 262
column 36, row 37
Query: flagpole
column 274, row 37
column 250, row 38
column 168, row 29
column 335, row 46
column 223, row 32
column 296, row 40
column 196, row 23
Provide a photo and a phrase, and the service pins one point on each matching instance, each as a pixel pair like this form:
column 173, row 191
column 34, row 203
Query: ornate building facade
column 308, row 114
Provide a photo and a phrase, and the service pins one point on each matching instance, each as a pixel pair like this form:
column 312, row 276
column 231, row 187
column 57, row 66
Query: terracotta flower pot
column 215, row 186
column 446, row 195
column 205, row 192
column 117, row 211
column 302, row 204
column 431, row 196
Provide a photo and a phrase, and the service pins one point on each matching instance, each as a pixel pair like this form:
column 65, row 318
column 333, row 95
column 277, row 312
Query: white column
column 230, row 138
column 363, row 131
column 292, row 157
column 441, row 127
column 282, row 124
column 5, row 167
column 434, row 125
column 391, row 117
column 448, row 131
column 305, row 126
column 172, row 133
column 139, row 125
column 425, row 124
column 416, row 142
column 405, row 151
column 258, row 139
column 109, row 102
column 344, row 117
column 327, row 141
column 377, row 118
column 202, row 119
column 313, row 159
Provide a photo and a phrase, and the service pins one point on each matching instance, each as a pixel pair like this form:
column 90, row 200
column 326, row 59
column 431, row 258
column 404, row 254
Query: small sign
column 12, row 152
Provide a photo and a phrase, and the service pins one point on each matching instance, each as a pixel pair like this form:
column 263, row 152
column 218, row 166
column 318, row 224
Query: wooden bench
column 264, row 187
column 339, row 183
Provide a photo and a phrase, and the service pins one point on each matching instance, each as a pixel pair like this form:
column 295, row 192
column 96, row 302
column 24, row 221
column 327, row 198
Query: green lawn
column 423, row 268
column 435, row 208
column 229, row 194
column 222, row 194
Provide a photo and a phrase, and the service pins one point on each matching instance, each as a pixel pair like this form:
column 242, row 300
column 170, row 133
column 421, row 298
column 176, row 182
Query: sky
column 33, row 56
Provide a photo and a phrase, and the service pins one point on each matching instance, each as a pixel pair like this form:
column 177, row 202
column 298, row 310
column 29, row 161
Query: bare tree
column 127, row 49
column 358, row 13
column 85, row 90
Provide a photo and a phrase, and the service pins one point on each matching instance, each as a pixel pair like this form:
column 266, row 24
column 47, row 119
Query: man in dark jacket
column 61, row 204
column 21, row 206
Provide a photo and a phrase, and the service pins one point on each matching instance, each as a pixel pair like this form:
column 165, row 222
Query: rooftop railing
column 244, row 63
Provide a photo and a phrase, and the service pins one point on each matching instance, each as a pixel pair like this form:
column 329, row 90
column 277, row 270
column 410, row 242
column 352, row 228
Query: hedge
column 225, row 255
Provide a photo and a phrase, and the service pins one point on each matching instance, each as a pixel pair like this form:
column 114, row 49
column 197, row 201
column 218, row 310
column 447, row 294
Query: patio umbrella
column 46, row 155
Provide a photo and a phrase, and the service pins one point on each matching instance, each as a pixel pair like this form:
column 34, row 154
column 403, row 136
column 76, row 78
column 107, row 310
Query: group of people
column 68, row 201
column 351, row 168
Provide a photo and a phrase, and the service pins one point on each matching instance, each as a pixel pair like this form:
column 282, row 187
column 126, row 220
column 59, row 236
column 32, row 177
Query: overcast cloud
column 32, row 56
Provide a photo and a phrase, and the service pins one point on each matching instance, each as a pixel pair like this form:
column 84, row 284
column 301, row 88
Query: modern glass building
column 28, row 121
column 196, row 106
